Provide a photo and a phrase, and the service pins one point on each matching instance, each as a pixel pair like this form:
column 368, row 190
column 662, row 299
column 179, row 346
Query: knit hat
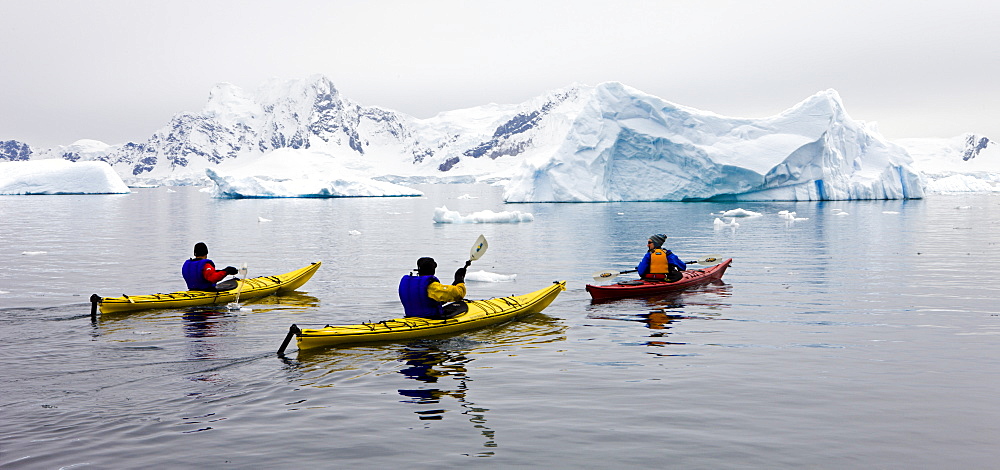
column 658, row 240
column 426, row 265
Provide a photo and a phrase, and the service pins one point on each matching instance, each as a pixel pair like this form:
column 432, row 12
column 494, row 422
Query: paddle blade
column 478, row 249
column 606, row 274
column 243, row 271
column 710, row 260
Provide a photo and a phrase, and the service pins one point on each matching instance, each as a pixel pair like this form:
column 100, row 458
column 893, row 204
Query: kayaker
column 424, row 296
column 660, row 264
column 200, row 274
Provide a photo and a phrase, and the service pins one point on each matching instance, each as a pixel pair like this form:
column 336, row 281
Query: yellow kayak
column 248, row 289
column 480, row 313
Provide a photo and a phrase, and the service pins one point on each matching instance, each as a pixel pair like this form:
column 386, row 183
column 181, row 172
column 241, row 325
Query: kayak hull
column 481, row 313
column 248, row 289
column 695, row 277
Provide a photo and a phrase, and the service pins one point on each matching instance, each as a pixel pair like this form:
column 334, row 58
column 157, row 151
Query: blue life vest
column 413, row 295
column 192, row 272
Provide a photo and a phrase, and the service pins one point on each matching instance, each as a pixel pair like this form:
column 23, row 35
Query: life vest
column 413, row 295
column 658, row 265
column 192, row 272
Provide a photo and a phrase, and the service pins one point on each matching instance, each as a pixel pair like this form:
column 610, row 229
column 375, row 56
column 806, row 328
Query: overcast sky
column 117, row 71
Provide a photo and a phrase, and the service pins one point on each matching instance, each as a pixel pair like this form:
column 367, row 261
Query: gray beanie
column 658, row 240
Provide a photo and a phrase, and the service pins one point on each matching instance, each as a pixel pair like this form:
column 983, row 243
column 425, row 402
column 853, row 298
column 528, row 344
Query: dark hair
column 200, row 249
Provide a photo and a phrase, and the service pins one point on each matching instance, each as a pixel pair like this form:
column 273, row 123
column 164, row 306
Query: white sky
column 117, row 71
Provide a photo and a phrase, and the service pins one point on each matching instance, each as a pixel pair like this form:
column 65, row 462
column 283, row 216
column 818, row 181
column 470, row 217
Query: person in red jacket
column 200, row 274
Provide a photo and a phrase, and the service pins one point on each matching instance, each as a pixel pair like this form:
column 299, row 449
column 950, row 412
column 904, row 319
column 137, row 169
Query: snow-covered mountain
column 607, row 142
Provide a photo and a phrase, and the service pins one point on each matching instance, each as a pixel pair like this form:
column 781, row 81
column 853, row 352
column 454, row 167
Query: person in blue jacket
column 424, row 295
column 660, row 264
column 200, row 274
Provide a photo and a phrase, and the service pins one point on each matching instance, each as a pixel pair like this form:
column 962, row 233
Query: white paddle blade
column 601, row 275
column 478, row 249
column 243, row 271
column 710, row 260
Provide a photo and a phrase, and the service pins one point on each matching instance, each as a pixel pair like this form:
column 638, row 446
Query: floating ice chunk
column 841, row 213
column 261, row 219
column 353, row 232
column 444, row 216
column 33, row 253
column 467, row 196
column 719, row 223
column 890, row 212
column 483, row 276
column 740, row 212
column 790, row 216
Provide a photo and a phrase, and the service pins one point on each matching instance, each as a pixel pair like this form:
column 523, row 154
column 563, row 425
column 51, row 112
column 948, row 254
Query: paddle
column 706, row 261
column 478, row 249
column 236, row 305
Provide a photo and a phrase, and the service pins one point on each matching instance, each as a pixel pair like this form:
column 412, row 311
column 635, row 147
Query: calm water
column 864, row 337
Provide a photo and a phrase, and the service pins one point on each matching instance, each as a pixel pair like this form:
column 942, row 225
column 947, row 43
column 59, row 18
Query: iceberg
column 57, row 176
column 289, row 173
column 740, row 212
column 444, row 216
column 624, row 145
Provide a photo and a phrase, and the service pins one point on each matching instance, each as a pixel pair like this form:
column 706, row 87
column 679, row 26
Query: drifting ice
column 444, row 216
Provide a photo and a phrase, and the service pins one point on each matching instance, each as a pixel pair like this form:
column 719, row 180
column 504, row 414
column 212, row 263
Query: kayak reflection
column 662, row 313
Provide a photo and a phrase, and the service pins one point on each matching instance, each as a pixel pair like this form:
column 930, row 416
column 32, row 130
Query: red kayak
column 694, row 277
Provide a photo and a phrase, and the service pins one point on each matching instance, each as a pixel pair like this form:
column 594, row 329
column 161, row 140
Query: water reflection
column 202, row 326
column 290, row 301
column 661, row 313
column 427, row 362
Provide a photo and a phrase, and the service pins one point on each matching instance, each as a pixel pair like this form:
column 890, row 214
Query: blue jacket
column 413, row 295
column 643, row 267
column 192, row 272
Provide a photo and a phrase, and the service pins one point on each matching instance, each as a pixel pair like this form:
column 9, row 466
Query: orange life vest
column 658, row 266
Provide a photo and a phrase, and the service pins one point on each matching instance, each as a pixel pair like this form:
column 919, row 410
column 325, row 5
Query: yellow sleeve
column 446, row 292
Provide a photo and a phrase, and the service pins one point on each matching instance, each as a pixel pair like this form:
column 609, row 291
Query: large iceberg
column 56, row 176
column 624, row 145
column 298, row 173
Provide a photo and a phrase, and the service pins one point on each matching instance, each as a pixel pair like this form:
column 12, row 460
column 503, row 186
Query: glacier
column 30, row 177
column 609, row 142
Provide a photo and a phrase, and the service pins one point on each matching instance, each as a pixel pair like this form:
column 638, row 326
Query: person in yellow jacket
column 424, row 295
column 660, row 264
